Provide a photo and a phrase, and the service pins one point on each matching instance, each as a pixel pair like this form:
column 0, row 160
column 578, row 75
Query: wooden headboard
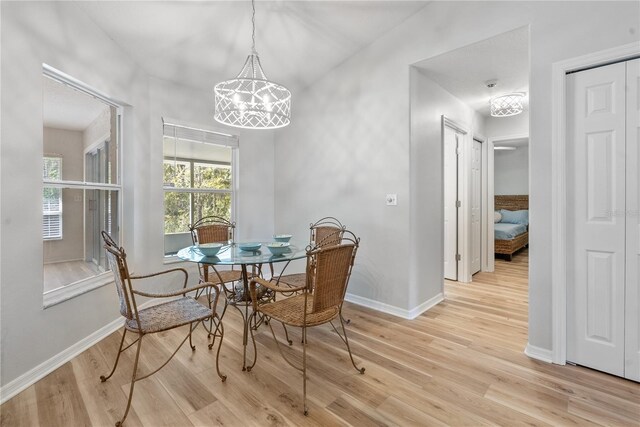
column 512, row 203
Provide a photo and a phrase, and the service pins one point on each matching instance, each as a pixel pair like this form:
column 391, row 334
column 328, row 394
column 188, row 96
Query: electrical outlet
column 392, row 199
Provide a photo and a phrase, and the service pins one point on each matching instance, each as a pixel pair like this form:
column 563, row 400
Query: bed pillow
column 515, row 217
column 497, row 217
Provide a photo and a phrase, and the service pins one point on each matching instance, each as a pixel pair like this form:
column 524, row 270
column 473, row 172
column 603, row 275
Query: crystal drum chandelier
column 507, row 105
column 250, row 100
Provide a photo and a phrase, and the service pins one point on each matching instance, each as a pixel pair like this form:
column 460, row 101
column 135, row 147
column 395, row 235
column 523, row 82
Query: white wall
column 350, row 142
column 511, row 171
column 60, row 34
column 496, row 127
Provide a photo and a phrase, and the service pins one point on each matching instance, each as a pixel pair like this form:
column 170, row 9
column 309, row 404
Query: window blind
column 199, row 135
column 52, row 199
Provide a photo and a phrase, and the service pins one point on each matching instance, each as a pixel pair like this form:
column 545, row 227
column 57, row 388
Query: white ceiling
column 198, row 43
column 66, row 108
column 465, row 71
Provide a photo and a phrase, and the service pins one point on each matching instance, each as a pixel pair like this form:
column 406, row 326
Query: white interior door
column 450, row 147
column 595, row 225
column 632, row 285
column 475, row 198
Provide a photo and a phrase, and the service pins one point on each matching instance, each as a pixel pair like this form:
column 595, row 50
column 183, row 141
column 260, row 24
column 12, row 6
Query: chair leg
column 347, row 321
column 253, row 340
column 218, row 333
column 286, row 333
column 346, row 341
column 304, row 371
column 210, row 332
column 133, row 382
column 120, row 350
column 222, row 377
column 193, row 347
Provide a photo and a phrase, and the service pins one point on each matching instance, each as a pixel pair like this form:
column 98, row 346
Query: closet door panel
column 596, row 230
column 632, row 300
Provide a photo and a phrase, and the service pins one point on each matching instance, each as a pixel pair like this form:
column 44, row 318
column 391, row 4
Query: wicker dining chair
column 328, row 269
column 215, row 229
column 181, row 310
column 326, row 231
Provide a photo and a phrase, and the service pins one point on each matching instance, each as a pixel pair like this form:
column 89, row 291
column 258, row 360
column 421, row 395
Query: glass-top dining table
column 232, row 255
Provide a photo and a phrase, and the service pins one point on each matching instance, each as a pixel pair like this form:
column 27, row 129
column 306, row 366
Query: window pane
column 101, row 213
column 52, row 168
column 101, row 161
column 177, row 209
column 51, row 213
column 177, row 174
column 78, row 253
column 51, row 200
column 207, row 204
column 193, row 161
column 206, row 175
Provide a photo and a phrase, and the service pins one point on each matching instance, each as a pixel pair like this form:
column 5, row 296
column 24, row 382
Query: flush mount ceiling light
column 250, row 100
column 504, row 105
column 505, row 148
column 507, row 105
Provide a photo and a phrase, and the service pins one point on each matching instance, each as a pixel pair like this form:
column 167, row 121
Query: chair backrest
column 212, row 229
column 117, row 259
column 328, row 271
column 327, row 231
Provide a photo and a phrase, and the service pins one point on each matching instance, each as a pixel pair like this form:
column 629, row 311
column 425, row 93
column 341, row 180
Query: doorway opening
column 464, row 85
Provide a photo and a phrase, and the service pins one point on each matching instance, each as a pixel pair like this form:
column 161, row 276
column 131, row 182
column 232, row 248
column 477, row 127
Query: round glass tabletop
column 233, row 255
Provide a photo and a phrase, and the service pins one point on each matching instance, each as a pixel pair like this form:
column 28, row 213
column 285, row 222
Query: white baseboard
column 45, row 368
column 392, row 309
column 538, row 353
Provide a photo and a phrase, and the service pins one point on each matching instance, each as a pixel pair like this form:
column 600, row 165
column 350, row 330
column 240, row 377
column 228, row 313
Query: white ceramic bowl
column 278, row 248
column 250, row 247
column 282, row 237
column 210, row 249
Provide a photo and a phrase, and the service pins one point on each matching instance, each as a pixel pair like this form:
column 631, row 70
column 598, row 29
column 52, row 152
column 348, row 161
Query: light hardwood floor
column 461, row 363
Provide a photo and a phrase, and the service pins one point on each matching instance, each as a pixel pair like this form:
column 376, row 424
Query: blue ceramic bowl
column 282, row 238
column 250, row 247
column 210, row 249
column 278, row 248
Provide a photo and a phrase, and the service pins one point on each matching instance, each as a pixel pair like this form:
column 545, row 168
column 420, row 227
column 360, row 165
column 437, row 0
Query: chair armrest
column 182, row 292
column 172, row 270
column 268, row 285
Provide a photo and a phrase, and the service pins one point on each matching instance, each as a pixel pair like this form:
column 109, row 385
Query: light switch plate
column 392, row 199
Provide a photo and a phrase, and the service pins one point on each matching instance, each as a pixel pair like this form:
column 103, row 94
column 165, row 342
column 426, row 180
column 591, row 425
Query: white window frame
column 71, row 290
column 197, row 133
column 53, row 213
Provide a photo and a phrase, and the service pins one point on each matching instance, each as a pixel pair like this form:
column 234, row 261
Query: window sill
column 72, row 290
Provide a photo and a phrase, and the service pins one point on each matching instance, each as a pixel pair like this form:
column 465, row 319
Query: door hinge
column 458, row 257
column 458, row 204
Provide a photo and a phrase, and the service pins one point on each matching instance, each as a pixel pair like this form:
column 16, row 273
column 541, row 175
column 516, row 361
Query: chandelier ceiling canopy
column 250, row 100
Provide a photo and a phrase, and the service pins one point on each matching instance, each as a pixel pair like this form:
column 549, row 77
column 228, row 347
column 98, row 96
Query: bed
column 510, row 238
